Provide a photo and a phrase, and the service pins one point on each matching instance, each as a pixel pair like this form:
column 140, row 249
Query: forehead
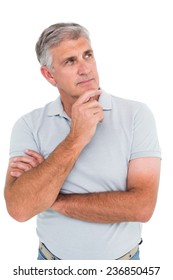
column 68, row 48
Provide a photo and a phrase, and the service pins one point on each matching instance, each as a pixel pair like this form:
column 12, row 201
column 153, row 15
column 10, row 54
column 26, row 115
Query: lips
column 85, row 81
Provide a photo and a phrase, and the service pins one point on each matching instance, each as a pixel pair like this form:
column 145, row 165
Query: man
column 87, row 164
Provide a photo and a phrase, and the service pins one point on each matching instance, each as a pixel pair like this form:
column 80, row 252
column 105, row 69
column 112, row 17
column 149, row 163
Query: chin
column 94, row 87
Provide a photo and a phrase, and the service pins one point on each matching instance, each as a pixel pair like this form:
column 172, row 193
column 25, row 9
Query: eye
column 69, row 61
column 88, row 55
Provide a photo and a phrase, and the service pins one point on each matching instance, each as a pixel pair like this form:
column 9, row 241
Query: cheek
column 94, row 69
column 96, row 76
column 65, row 78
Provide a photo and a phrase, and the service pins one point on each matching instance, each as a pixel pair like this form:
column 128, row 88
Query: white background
column 133, row 44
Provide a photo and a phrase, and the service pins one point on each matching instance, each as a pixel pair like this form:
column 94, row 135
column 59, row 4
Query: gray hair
column 53, row 36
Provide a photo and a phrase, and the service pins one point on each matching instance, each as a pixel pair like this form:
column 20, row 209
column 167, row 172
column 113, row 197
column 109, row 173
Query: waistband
column 49, row 256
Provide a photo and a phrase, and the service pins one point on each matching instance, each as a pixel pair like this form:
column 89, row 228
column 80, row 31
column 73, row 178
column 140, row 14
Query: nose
column 83, row 68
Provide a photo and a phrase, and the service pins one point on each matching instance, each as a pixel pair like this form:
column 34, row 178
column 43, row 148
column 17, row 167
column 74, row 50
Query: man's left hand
column 22, row 164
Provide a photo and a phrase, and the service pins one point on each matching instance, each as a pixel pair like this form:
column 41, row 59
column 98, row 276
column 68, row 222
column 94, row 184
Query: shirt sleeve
column 22, row 138
column 145, row 140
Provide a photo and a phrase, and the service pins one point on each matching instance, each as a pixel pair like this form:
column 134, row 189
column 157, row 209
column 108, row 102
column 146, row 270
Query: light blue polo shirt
column 127, row 132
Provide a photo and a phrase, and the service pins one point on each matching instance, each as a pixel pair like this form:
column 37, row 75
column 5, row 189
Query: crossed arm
column 33, row 184
column 135, row 204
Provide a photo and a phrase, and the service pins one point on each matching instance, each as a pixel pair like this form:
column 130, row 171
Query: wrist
column 76, row 141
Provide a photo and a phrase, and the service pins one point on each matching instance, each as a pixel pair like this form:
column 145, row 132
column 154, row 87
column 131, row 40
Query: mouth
column 85, row 82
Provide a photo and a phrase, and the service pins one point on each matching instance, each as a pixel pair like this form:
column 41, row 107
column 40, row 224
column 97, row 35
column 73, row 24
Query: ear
column 48, row 75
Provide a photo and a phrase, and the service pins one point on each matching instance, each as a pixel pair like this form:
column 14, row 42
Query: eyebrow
column 88, row 51
column 74, row 57
column 68, row 58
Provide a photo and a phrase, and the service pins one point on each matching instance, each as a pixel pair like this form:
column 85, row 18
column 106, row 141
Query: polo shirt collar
column 55, row 108
column 105, row 101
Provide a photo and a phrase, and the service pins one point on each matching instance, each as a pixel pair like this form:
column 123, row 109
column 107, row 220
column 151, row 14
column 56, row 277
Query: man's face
column 74, row 67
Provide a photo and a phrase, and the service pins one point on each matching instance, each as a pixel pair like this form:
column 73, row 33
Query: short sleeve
column 21, row 138
column 145, row 140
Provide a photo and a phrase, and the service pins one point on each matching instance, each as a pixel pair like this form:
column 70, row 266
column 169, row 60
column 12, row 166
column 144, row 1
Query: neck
column 67, row 104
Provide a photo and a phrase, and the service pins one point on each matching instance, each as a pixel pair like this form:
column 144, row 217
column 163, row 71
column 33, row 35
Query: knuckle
column 28, row 167
column 32, row 162
column 95, row 103
column 80, row 109
column 88, row 114
column 40, row 160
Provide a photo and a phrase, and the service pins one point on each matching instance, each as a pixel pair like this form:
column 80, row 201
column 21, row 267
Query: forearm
column 136, row 204
column 36, row 190
column 104, row 207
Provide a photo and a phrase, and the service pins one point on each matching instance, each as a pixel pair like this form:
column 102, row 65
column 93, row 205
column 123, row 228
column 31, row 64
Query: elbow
column 145, row 208
column 15, row 211
column 144, row 218
column 145, row 214
column 20, row 218
column 17, row 215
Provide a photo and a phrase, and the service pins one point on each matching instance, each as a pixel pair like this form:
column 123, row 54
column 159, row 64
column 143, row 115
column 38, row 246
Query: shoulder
column 129, row 113
column 47, row 109
column 127, row 104
column 39, row 114
column 127, row 108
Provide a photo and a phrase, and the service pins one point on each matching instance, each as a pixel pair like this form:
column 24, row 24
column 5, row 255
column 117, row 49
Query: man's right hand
column 37, row 188
column 86, row 114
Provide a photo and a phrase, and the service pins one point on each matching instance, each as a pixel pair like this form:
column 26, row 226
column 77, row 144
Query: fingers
column 86, row 114
column 22, row 164
column 19, row 167
column 92, row 108
column 24, row 161
column 35, row 155
column 33, row 158
column 99, row 116
column 87, row 96
column 16, row 174
column 91, row 104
